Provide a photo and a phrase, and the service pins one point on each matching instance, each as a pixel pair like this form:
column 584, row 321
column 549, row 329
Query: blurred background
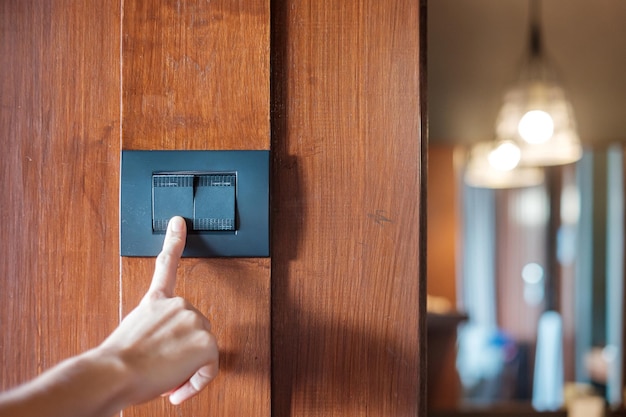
column 526, row 241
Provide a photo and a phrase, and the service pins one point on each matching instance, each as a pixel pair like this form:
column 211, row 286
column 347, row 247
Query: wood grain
column 347, row 277
column 196, row 76
column 234, row 295
column 349, row 150
column 59, row 123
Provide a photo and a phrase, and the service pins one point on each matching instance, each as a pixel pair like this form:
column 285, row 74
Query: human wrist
column 109, row 377
column 92, row 384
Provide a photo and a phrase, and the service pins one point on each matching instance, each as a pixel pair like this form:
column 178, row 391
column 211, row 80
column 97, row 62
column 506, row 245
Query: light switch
column 214, row 202
column 172, row 195
column 223, row 195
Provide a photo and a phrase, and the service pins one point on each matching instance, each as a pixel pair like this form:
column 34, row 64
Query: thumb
column 164, row 278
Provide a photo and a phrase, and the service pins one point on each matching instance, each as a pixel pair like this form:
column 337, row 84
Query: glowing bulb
column 505, row 156
column 536, row 126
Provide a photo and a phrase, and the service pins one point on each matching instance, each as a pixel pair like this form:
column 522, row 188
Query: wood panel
column 196, row 76
column 348, row 282
column 59, row 124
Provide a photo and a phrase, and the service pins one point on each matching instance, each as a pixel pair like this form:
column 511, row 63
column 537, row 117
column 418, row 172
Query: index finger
column 164, row 278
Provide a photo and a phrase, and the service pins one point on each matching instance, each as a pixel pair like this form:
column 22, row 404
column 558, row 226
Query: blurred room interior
column 526, row 263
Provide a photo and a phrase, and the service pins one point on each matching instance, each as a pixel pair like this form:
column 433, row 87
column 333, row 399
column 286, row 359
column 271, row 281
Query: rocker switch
column 214, row 202
column 172, row 195
column 206, row 201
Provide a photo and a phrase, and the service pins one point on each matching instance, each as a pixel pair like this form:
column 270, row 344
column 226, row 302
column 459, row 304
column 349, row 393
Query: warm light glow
column 480, row 173
column 505, row 156
column 536, row 126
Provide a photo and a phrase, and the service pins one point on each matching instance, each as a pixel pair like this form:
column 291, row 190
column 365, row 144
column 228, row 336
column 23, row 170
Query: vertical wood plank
column 196, row 76
column 348, row 281
column 59, row 124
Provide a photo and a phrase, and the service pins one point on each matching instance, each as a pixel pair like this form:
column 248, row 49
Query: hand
column 165, row 343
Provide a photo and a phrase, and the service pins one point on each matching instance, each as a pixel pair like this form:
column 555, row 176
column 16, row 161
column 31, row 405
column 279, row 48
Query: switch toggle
column 214, row 202
column 206, row 200
column 172, row 195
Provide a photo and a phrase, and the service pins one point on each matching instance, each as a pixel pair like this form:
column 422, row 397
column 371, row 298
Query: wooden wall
column 334, row 322
column 59, row 168
column 196, row 76
column 347, row 287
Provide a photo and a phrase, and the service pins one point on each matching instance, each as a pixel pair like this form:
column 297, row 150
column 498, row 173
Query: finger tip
column 177, row 224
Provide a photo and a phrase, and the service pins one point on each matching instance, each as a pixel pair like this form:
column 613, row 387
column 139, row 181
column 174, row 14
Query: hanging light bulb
column 536, row 126
column 536, row 113
column 539, row 119
column 505, row 156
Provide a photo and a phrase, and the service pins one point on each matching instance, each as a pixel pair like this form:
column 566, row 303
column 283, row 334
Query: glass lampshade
column 536, row 122
column 556, row 144
column 481, row 173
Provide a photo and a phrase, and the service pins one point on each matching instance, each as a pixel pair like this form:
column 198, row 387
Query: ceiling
column 475, row 48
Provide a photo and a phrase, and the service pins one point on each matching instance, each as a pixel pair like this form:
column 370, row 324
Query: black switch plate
column 240, row 211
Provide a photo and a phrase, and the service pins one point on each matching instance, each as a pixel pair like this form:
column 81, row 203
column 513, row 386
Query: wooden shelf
column 445, row 320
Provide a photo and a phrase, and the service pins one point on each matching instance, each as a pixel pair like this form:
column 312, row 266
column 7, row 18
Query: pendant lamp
column 534, row 128
column 536, row 114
